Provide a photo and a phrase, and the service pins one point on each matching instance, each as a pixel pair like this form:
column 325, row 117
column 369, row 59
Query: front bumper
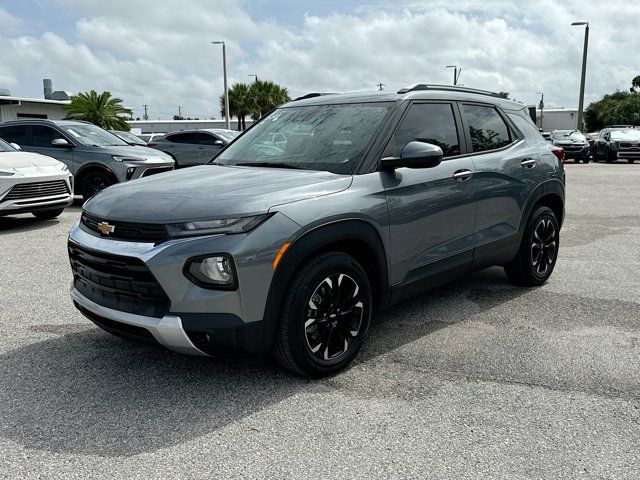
column 572, row 153
column 198, row 321
column 37, row 201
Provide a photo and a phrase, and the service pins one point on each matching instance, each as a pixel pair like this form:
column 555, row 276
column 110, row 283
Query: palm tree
column 100, row 109
column 266, row 96
column 239, row 103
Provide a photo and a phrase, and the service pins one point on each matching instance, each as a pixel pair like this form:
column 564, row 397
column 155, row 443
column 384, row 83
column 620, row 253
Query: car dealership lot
column 478, row 378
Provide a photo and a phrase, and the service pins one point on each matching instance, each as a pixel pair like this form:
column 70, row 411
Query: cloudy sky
column 159, row 52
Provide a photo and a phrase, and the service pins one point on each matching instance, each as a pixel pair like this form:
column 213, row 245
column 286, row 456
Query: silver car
column 95, row 157
column 193, row 147
column 326, row 210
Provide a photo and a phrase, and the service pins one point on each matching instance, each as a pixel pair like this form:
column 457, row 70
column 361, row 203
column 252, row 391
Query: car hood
column 211, row 191
column 20, row 160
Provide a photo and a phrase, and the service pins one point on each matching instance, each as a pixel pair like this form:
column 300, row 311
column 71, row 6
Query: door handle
column 462, row 175
column 528, row 162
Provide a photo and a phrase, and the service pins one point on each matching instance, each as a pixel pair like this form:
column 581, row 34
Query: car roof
column 415, row 92
column 45, row 121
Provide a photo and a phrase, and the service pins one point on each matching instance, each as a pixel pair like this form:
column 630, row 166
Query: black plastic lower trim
column 118, row 328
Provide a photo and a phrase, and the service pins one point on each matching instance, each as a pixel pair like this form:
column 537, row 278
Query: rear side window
column 189, row 137
column 487, row 129
column 14, row 134
column 43, row 136
column 207, row 139
column 430, row 123
column 527, row 127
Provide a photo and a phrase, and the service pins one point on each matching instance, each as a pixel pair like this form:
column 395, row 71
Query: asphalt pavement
column 478, row 379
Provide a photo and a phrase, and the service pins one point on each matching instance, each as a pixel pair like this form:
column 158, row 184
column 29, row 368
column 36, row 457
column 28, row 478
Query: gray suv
column 193, row 147
column 323, row 212
column 95, row 157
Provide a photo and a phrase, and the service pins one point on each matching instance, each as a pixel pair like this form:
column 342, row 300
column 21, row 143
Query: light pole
column 584, row 70
column 456, row 73
column 255, row 76
column 541, row 106
column 226, row 89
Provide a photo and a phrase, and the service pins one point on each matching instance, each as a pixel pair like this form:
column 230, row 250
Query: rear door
column 431, row 210
column 183, row 146
column 208, row 145
column 507, row 170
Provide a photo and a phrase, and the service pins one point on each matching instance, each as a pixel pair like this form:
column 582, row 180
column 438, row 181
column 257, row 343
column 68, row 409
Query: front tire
column 325, row 317
column 538, row 251
column 47, row 214
column 94, row 182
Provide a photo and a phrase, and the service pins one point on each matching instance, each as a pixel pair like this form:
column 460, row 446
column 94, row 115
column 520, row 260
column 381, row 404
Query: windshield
column 130, row 138
column 91, row 135
column 5, row 147
column 227, row 135
column 569, row 135
column 334, row 138
column 628, row 134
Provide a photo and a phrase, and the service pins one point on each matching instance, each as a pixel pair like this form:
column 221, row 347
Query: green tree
column 635, row 84
column 619, row 108
column 101, row 109
column 265, row 96
column 240, row 103
column 503, row 94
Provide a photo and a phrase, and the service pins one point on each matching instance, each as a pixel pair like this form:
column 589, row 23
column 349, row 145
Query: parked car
column 95, row 157
column 33, row 183
column 129, row 138
column 618, row 143
column 193, row 147
column 378, row 197
column 574, row 144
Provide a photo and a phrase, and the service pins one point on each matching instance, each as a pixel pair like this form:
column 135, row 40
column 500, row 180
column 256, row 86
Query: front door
column 431, row 210
column 40, row 142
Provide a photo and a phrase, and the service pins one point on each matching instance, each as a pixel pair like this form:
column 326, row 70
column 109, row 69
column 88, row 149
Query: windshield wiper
column 270, row 165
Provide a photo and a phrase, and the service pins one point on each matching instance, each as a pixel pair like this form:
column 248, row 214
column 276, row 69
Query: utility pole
column 584, row 70
column 541, row 106
column 179, row 111
column 381, row 86
column 145, row 116
column 255, row 76
column 226, row 89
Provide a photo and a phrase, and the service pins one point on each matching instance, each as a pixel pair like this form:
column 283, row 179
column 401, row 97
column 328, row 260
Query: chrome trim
column 167, row 330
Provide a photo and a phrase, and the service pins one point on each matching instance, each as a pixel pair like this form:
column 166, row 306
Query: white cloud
column 159, row 53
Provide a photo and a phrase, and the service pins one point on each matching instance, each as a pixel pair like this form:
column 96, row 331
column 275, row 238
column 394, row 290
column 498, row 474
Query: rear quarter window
column 526, row 127
column 487, row 128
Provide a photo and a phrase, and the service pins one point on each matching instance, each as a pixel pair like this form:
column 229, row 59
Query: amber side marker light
column 283, row 249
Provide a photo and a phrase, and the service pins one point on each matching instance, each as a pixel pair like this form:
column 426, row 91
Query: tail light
column 558, row 152
column 151, row 144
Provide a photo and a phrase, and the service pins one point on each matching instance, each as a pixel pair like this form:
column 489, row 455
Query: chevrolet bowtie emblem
column 105, row 228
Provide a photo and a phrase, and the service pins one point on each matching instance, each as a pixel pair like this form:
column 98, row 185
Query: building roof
column 11, row 100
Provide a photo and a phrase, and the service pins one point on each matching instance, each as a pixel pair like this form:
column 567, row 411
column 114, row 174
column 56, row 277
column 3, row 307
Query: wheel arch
column 354, row 237
column 549, row 194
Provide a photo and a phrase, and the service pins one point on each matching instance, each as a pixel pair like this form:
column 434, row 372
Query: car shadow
column 27, row 222
column 82, row 391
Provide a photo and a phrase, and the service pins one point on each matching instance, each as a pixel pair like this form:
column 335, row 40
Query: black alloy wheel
column 543, row 246
column 94, row 182
column 334, row 316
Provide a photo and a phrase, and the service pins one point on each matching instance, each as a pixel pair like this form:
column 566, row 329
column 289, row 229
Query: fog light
column 215, row 272
column 130, row 172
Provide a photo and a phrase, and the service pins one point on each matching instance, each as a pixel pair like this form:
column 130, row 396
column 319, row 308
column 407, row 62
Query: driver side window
column 430, row 123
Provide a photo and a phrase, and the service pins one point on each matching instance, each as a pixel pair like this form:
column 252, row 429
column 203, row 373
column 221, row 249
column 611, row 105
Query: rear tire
column 536, row 258
column 47, row 214
column 325, row 316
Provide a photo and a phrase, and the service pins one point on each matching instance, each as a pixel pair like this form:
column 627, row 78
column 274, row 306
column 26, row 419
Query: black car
column 618, row 143
column 574, row 143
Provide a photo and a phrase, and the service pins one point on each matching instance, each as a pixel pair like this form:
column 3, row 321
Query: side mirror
column 60, row 143
column 415, row 155
column 16, row 146
column 219, row 143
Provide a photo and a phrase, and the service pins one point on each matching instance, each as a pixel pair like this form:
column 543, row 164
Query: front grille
column 117, row 282
column 132, row 232
column 37, row 190
column 153, row 171
column 632, row 146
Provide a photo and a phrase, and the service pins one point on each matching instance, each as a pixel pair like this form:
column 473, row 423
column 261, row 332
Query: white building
column 166, row 126
column 557, row 119
column 13, row 108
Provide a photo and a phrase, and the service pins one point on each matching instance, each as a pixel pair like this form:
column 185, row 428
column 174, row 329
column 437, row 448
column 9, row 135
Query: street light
column 584, row 70
column 255, row 76
column 456, row 73
column 226, row 89
column 541, row 106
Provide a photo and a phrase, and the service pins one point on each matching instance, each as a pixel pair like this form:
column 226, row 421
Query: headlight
column 212, row 227
column 215, row 271
column 63, row 167
column 121, row 158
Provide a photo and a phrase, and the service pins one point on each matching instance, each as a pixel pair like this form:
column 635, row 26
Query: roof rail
column 449, row 88
column 312, row 95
